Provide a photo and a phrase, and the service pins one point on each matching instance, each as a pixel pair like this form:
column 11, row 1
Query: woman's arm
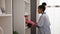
column 36, row 25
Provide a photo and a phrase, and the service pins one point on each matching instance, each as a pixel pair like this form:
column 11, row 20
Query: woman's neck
column 42, row 12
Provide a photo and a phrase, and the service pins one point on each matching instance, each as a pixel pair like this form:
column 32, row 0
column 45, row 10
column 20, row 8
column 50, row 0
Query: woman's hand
column 36, row 26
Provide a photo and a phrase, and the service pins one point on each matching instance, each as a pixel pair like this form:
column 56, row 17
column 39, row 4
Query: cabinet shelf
column 5, row 15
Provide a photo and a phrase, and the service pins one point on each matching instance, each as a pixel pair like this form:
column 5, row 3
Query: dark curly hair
column 42, row 6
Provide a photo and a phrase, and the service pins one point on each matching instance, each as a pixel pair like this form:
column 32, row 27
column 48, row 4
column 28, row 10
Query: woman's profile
column 43, row 23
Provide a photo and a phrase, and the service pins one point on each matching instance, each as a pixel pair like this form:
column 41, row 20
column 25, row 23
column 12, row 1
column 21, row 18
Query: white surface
column 28, row 31
column 27, row 7
column 6, row 19
column 0, row 11
column 27, row 1
column 3, row 15
column 8, row 6
column 6, row 24
column 2, row 4
column 54, row 19
column 26, row 13
column 18, row 9
column 1, row 30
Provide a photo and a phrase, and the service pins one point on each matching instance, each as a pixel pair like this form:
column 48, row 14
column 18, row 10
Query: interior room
column 13, row 16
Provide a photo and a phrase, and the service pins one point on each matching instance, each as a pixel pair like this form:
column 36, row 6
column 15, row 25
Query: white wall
column 8, row 6
column 2, row 4
column 54, row 19
column 18, row 9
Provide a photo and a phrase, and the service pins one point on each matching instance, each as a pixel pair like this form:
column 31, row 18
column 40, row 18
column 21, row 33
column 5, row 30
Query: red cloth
column 31, row 22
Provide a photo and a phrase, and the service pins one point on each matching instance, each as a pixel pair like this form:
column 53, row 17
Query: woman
column 43, row 23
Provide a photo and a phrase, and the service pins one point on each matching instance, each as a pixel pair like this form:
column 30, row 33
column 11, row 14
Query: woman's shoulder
column 44, row 15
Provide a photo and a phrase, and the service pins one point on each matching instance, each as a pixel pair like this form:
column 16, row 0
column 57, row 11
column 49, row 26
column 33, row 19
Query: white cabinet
column 27, row 6
column 27, row 9
column 6, row 16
